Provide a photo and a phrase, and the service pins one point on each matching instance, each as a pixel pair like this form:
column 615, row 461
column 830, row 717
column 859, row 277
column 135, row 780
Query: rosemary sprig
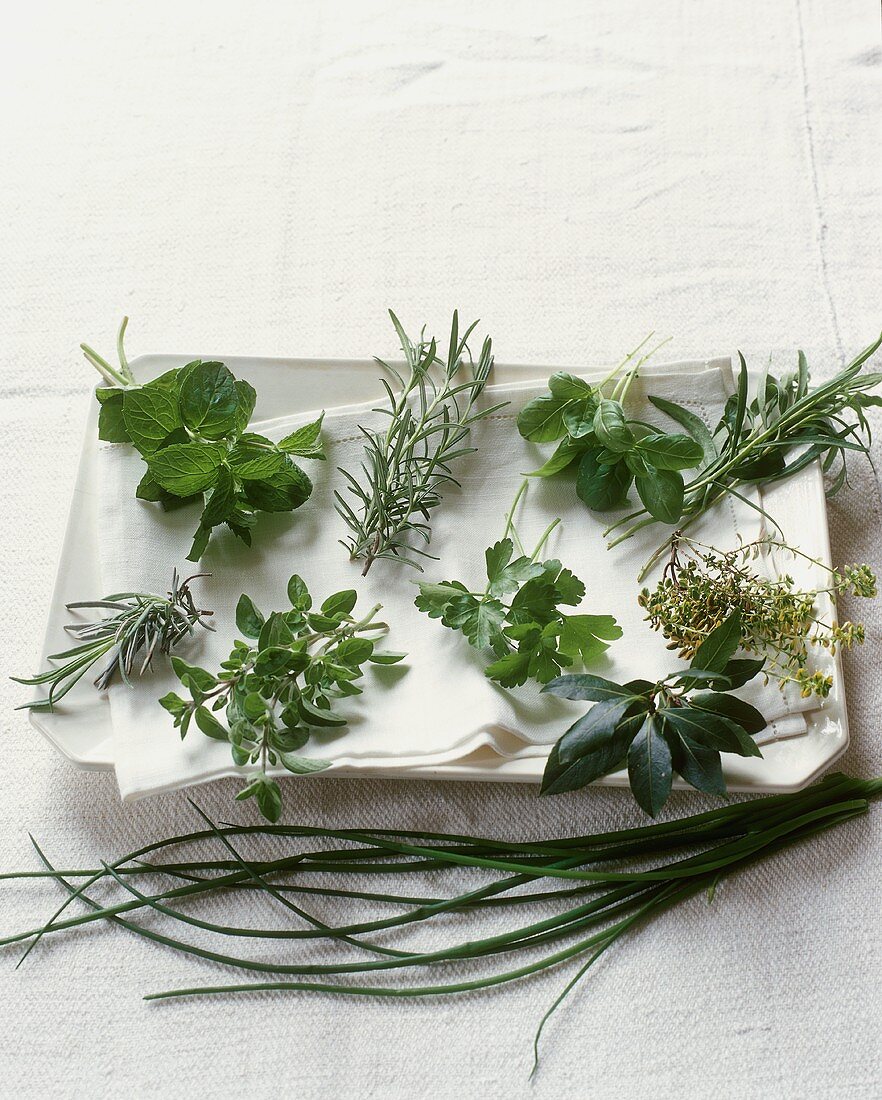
column 702, row 586
column 135, row 627
column 786, row 427
column 605, row 888
column 406, row 466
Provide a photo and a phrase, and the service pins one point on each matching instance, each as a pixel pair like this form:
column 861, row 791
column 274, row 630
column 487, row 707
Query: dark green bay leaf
column 650, row 768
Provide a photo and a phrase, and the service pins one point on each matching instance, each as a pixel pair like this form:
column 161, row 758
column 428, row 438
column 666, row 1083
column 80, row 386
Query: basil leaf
column 187, row 468
column 569, row 387
column 541, row 421
column 209, row 400
column 670, row 452
column 611, row 428
column 602, row 487
column 578, row 417
column 693, row 424
column 661, row 492
column 566, row 453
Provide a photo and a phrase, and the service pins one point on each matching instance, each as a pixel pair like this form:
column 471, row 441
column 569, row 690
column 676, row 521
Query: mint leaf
column 288, row 489
column 305, row 442
column 150, row 414
column 209, row 400
column 255, row 458
column 222, row 501
column 111, row 420
column 247, row 399
column 187, row 468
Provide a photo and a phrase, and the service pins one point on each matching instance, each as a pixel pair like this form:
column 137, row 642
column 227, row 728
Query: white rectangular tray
column 81, row 727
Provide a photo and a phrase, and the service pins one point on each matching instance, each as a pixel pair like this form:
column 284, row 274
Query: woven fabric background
column 269, row 179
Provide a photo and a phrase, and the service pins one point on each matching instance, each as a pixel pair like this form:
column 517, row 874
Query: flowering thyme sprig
column 701, row 587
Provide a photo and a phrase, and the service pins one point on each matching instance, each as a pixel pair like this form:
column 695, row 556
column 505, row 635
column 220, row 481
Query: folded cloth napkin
column 437, row 707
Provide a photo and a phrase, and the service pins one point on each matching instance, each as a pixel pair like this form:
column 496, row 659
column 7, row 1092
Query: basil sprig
column 279, row 687
column 613, row 452
column 680, row 724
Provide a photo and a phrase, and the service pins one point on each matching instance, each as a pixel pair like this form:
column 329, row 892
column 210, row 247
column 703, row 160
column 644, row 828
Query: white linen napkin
column 437, row 707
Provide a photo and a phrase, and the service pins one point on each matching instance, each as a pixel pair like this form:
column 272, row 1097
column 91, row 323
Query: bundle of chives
column 606, row 875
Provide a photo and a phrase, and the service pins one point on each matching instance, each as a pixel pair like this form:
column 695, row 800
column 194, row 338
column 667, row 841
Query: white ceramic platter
column 81, row 728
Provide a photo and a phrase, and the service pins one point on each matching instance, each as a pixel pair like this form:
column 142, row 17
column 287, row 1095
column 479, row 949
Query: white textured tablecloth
column 268, row 179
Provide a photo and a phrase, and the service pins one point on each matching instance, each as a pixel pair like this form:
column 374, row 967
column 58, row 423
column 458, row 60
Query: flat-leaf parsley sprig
column 278, row 687
column 408, row 463
column 519, row 614
column 130, row 630
column 660, row 728
column 701, row 586
column 190, row 426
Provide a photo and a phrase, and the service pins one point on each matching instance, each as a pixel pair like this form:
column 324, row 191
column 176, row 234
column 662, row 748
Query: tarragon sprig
column 132, row 629
column 407, row 464
column 280, row 685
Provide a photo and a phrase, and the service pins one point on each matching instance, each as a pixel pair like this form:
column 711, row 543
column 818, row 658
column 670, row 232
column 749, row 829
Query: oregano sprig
column 190, row 426
column 280, row 685
column 672, row 725
column 519, row 614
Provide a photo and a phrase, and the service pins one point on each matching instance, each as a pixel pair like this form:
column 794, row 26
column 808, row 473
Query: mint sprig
column 680, row 724
column 190, row 427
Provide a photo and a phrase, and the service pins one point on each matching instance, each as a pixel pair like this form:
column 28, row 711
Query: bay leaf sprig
column 409, row 461
column 519, row 614
column 671, row 725
column 280, row 686
column 190, row 425
column 130, row 630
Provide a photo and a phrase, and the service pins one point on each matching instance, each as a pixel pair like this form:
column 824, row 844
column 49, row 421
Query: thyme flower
column 702, row 586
